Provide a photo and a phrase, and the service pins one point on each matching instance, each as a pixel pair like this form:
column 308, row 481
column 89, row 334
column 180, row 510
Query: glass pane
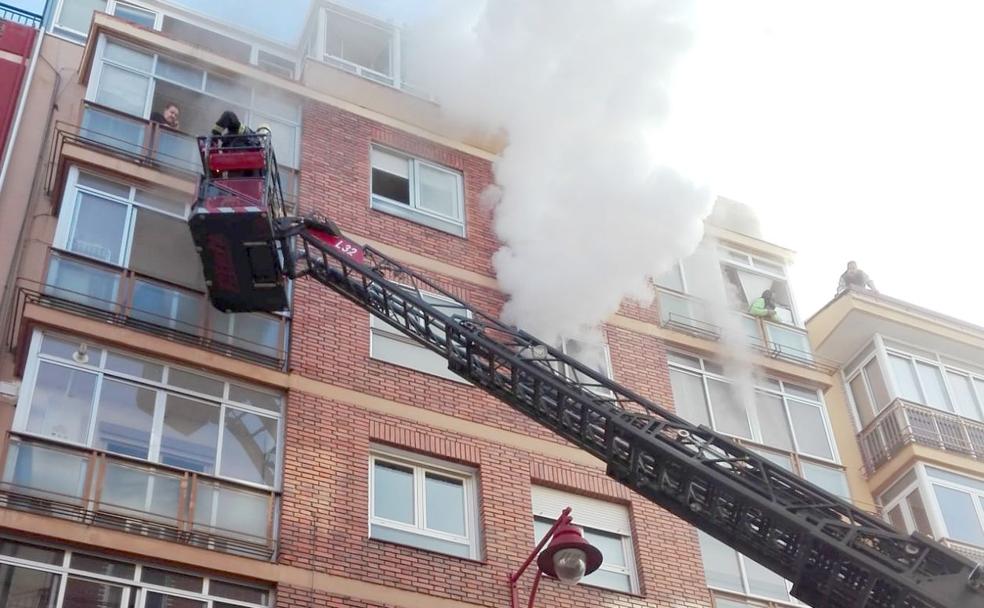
column 61, row 405
column 602, row 577
column 195, row 382
column 438, row 191
column 859, row 390
column 134, row 367
column 830, row 479
column 159, row 600
column 810, row 429
column 174, row 580
column 114, row 131
column 190, row 434
column 122, row 90
column 227, row 88
column 233, row 591
column 167, row 307
column 253, row 332
column 671, row 279
column 782, row 460
column 445, row 500
column 688, row 397
column 84, row 593
column 104, row 186
column 132, row 488
column 176, row 149
column 959, row 515
column 905, row 378
column 896, row 518
column 720, row 564
column 248, row 396
column 180, row 73
column 963, row 395
column 135, row 15
column 163, row 249
column 70, row 350
column 808, row 394
column 415, row 539
column 764, row 582
column 127, row 56
column 249, row 447
column 34, row 553
column 729, row 414
column 790, row 342
column 284, row 139
column 772, row 420
column 98, row 229
column 357, row 42
column 876, row 382
column 82, row 283
column 77, row 14
column 100, row 565
column 932, row 382
column 45, row 469
column 610, row 545
column 232, row 510
column 124, row 418
column 392, row 492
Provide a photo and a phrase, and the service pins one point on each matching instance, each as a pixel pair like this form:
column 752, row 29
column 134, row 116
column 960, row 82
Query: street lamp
column 568, row 558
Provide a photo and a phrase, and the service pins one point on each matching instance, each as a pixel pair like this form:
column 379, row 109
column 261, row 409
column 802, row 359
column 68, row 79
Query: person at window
column 170, row 116
column 764, row 306
column 855, row 278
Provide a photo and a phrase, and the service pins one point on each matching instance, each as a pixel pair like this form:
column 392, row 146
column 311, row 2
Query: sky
column 854, row 129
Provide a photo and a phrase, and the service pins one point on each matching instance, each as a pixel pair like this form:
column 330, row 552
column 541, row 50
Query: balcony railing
column 21, row 16
column 974, row 553
column 903, row 423
column 126, row 137
column 123, row 297
column 110, row 491
column 690, row 315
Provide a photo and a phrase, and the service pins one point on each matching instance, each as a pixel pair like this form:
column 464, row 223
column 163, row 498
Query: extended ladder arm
column 835, row 554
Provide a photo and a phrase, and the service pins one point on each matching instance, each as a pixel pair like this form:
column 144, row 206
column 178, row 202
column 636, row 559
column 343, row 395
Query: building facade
column 913, row 381
column 158, row 452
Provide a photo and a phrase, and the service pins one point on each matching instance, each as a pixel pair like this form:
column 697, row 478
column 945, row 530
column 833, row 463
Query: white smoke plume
column 583, row 210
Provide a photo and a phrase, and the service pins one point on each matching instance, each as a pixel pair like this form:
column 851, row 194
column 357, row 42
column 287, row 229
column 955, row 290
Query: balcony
column 123, row 297
column 19, row 15
column 903, row 423
column 101, row 489
column 692, row 316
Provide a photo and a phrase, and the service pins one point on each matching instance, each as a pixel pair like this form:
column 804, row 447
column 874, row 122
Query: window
column 960, row 501
column 392, row 346
column 360, row 45
column 112, row 401
column 72, row 17
column 137, row 82
column 930, row 382
column 593, row 355
column 782, row 417
column 728, row 570
column 136, row 15
column 606, row 526
column 33, row 577
column 423, row 502
column 417, row 190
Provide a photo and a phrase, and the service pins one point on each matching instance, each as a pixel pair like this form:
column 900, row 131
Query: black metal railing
column 21, row 16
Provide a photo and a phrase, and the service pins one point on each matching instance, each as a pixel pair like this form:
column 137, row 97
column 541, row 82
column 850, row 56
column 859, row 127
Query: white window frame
column 381, row 330
column 393, row 79
column 158, row 15
column 754, row 425
column 743, row 578
column 412, row 210
column 254, row 113
column 161, row 388
column 596, row 515
column 422, row 465
column 570, row 373
column 131, row 586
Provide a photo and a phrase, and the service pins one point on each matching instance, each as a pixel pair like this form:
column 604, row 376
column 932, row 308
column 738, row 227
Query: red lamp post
column 568, row 558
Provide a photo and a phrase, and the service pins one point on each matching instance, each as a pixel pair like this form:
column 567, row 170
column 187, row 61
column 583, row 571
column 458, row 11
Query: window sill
column 408, row 213
column 392, row 543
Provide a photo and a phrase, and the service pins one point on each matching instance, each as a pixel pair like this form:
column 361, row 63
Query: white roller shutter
column 588, row 512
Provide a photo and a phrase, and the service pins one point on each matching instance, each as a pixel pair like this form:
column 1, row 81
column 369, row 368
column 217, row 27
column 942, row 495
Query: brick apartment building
column 158, row 452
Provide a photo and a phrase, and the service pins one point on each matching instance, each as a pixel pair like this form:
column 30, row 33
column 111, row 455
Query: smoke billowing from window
column 583, row 209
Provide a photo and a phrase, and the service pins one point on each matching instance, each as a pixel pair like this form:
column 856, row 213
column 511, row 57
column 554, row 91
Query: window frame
column 162, row 389
column 378, row 326
column 571, row 374
column 740, row 559
column 254, row 111
column 585, row 511
column 421, row 465
column 412, row 211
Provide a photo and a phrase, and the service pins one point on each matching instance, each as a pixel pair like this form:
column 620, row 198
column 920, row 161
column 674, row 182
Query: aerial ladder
column 835, row 554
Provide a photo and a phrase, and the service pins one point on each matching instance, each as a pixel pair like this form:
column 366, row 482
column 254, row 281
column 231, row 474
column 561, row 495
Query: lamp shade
column 561, row 560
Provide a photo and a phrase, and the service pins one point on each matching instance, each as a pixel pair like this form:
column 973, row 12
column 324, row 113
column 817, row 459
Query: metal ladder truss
column 835, row 554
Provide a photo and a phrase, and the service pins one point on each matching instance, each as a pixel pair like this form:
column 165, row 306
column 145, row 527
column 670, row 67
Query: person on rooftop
column 855, row 278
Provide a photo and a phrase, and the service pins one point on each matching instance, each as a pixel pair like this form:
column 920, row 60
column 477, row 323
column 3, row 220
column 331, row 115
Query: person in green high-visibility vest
column 764, row 306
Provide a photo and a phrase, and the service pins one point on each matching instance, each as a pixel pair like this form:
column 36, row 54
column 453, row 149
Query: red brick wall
column 324, row 523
